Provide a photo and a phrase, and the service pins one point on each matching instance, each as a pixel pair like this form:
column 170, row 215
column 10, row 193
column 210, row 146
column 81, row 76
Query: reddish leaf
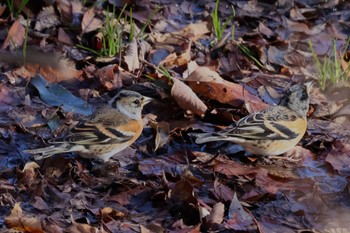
column 15, row 36
column 208, row 83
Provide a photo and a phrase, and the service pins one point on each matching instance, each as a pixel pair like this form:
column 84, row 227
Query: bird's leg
column 290, row 156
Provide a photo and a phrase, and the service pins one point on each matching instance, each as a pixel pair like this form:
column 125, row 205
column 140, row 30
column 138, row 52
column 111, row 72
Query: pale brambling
column 108, row 131
column 272, row 131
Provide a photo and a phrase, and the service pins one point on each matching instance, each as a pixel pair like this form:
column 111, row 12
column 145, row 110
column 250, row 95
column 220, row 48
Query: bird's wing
column 277, row 123
column 102, row 129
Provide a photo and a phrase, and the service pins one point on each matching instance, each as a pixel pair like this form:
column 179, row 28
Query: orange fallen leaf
column 15, row 36
column 208, row 83
column 18, row 221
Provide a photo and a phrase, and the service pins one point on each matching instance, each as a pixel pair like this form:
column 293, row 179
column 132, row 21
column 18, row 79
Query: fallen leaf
column 178, row 60
column 90, row 22
column 56, row 95
column 339, row 157
column 109, row 77
column 108, row 213
column 46, row 18
column 217, row 214
column 20, row 222
column 65, row 9
column 2, row 9
column 239, row 218
column 208, row 83
column 131, row 57
column 64, row 37
column 187, row 99
column 191, row 32
column 29, row 173
column 84, row 228
column 15, row 36
column 222, row 192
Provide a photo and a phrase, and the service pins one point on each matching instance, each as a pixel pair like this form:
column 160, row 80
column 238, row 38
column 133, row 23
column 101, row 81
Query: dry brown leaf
column 108, row 213
column 239, row 218
column 217, row 214
column 178, row 60
column 191, row 32
column 90, row 23
column 15, row 36
column 339, row 157
column 18, row 221
column 2, row 9
column 131, row 57
column 65, row 9
column 187, row 99
column 64, row 37
column 303, row 27
column 84, row 228
column 46, row 18
column 29, row 173
column 208, row 83
column 109, row 77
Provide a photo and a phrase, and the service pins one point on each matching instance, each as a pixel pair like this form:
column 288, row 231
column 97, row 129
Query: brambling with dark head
column 108, row 131
column 272, row 131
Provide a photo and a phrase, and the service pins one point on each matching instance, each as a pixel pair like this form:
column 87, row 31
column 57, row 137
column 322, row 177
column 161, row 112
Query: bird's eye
column 137, row 102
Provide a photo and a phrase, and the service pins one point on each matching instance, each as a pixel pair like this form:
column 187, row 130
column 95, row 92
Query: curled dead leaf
column 187, row 99
column 29, row 173
column 217, row 214
column 20, row 222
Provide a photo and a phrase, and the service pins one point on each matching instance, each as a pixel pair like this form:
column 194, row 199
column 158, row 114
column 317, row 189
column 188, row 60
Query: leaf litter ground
column 165, row 182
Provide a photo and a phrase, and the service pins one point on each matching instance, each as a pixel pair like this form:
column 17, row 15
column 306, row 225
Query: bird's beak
column 308, row 86
column 146, row 100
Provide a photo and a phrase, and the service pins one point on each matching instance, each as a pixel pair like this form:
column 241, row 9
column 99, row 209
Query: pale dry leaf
column 145, row 47
column 46, row 18
column 217, row 214
column 15, row 36
column 90, row 22
column 191, row 32
column 187, row 99
column 131, row 57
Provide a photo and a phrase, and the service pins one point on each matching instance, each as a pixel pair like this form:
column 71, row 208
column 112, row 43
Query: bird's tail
column 42, row 153
column 208, row 137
